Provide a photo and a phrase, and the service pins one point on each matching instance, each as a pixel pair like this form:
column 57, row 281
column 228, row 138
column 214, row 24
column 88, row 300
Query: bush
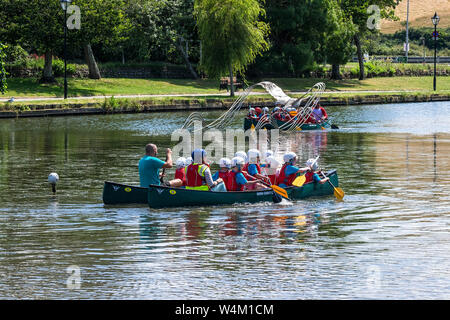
column 15, row 53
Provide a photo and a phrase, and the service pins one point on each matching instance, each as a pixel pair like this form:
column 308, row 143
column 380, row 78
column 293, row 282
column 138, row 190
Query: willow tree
column 231, row 34
column 2, row 69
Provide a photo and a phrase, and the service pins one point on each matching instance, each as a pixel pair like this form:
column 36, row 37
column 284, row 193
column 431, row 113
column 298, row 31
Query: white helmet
column 225, row 163
column 266, row 110
column 268, row 153
column 181, row 162
column 274, row 163
column 237, row 161
column 312, row 163
column 241, row 154
column 253, row 155
column 251, row 109
column 189, row 161
column 276, row 109
column 289, row 157
column 198, row 155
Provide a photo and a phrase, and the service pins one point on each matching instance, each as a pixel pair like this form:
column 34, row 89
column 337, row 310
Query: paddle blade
column 339, row 194
column 280, row 191
column 276, row 198
column 299, row 181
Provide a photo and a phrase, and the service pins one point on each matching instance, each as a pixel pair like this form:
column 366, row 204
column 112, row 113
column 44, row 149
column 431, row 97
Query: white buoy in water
column 53, row 179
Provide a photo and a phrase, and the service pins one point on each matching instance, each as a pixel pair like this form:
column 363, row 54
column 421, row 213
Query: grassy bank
column 27, row 88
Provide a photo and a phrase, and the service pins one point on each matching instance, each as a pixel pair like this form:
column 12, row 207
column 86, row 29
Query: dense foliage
column 303, row 35
column 3, row 85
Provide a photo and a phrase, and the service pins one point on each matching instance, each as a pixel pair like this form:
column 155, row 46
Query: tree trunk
column 360, row 57
column 335, row 72
column 47, row 76
column 186, row 59
column 231, row 82
column 94, row 72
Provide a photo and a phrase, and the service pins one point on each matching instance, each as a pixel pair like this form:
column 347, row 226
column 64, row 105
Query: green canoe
column 162, row 197
column 307, row 126
column 115, row 193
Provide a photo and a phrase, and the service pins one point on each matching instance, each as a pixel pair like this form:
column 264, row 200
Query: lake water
column 389, row 238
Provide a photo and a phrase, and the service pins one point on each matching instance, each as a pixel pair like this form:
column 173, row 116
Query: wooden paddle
column 338, row 192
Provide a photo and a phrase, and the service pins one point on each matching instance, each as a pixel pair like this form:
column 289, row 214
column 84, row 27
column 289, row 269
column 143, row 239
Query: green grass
column 85, row 87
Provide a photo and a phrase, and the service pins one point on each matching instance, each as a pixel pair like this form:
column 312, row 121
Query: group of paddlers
column 243, row 172
column 284, row 114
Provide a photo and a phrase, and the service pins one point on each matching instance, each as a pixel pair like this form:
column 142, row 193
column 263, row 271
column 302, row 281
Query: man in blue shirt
column 149, row 165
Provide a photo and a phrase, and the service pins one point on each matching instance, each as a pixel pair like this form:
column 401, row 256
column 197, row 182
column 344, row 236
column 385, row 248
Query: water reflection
column 397, row 181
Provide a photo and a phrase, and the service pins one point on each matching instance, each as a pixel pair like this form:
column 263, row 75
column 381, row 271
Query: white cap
column 181, row 162
column 225, row 163
column 312, row 163
column 253, row 155
column 268, row 153
column 289, row 157
column 237, row 161
column 189, row 161
column 274, row 163
column 241, row 154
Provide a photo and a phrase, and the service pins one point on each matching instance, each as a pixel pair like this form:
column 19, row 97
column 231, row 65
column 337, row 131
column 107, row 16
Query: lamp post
column 64, row 5
column 435, row 21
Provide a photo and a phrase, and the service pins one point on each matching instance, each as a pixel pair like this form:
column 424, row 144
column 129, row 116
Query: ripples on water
column 388, row 239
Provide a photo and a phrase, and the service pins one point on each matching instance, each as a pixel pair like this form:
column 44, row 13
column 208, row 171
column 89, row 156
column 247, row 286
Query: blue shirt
column 149, row 170
column 240, row 179
column 316, row 177
column 252, row 169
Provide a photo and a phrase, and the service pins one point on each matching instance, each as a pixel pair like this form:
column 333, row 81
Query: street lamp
column 64, row 5
column 435, row 19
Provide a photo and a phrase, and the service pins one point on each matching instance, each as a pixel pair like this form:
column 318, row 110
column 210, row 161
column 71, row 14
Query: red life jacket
column 309, row 176
column 224, row 177
column 231, row 183
column 272, row 178
column 285, row 179
column 193, row 178
column 245, row 168
column 180, row 173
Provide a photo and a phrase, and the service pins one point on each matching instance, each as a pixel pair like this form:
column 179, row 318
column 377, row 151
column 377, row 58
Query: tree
column 102, row 22
column 232, row 35
column 357, row 12
column 3, row 85
column 161, row 30
column 298, row 30
column 338, row 43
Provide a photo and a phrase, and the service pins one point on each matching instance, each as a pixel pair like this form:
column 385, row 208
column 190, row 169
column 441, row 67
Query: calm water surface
column 388, row 239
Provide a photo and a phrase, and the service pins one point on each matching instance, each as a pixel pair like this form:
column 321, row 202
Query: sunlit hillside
column 420, row 13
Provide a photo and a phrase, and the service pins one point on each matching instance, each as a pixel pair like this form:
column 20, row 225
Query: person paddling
column 149, row 167
column 319, row 113
column 289, row 171
column 311, row 175
column 236, row 180
column 253, row 167
column 198, row 174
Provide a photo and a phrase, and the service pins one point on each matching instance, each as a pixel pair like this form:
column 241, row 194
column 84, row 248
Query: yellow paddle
column 338, row 192
column 277, row 189
column 299, row 181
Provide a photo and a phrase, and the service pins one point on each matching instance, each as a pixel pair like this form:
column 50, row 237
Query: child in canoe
column 180, row 172
column 236, row 180
column 289, row 171
column 253, row 167
column 224, row 169
column 312, row 175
